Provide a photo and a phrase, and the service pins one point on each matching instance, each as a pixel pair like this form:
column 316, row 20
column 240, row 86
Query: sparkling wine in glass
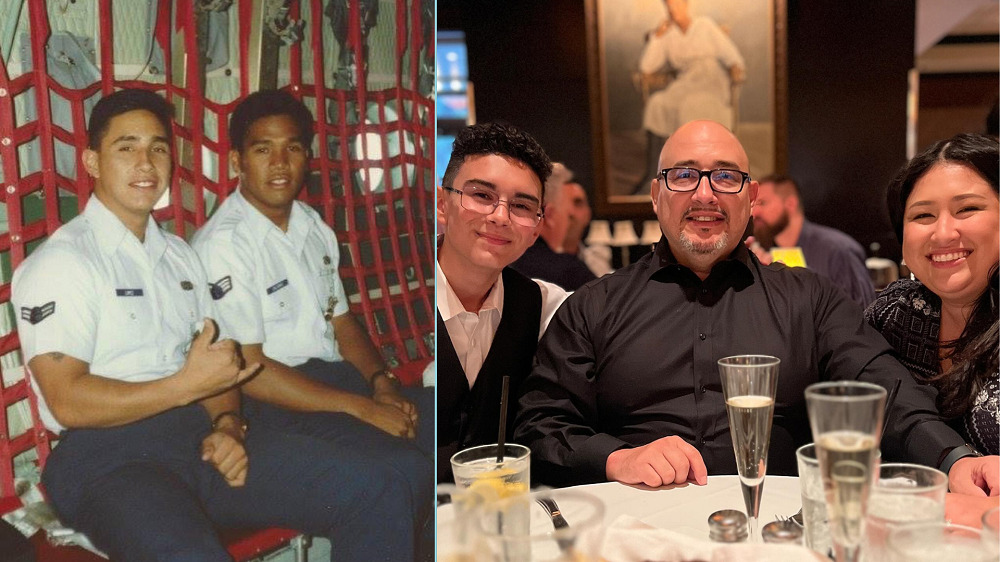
column 748, row 385
column 846, row 421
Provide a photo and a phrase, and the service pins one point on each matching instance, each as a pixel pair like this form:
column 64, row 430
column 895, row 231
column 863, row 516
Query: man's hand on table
column 975, row 476
column 968, row 510
column 669, row 460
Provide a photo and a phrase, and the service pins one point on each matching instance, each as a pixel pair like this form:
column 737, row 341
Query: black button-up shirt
column 632, row 357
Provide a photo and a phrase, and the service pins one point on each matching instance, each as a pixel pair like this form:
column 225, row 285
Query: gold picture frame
column 616, row 32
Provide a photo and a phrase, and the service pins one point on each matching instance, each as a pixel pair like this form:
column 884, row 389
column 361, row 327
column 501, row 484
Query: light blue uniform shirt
column 94, row 292
column 273, row 287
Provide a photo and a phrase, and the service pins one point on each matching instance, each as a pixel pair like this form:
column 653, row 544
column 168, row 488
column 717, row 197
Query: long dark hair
column 974, row 355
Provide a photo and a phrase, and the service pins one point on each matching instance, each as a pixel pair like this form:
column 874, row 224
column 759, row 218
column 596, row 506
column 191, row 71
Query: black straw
column 503, row 418
column 888, row 403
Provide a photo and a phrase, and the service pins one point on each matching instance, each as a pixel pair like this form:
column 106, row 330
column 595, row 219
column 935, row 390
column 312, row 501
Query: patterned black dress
column 908, row 315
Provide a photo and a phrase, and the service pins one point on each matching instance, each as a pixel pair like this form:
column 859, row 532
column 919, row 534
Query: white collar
column 449, row 306
column 261, row 226
column 110, row 231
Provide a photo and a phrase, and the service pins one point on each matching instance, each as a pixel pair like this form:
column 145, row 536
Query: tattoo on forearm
column 56, row 356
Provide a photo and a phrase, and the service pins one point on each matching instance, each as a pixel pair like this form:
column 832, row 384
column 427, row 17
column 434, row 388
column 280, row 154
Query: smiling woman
column 946, row 211
column 950, row 232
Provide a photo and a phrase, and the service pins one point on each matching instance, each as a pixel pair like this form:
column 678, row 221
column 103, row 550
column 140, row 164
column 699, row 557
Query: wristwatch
column 389, row 375
column 242, row 422
column 957, row 453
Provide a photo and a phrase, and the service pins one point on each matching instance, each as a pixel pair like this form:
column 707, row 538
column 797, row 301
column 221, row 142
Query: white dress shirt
column 472, row 333
column 273, row 287
column 94, row 292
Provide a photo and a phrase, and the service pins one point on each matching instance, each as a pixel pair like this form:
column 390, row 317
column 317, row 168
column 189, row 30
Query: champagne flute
column 846, row 421
column 748, row 385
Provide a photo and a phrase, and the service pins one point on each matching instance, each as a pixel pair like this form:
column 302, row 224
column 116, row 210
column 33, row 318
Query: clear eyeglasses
column 522, row 210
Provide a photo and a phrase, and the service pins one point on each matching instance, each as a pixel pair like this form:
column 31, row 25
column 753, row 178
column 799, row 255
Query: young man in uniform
column 153, row 452
column 272, row 263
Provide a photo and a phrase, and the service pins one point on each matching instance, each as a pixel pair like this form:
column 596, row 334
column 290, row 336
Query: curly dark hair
column 979, row 152
column 501, row 139
column 266, row 103
column 123, row 101
column 974, row 354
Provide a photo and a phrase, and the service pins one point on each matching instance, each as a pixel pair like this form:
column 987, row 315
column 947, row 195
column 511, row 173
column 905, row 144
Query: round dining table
column 669, row 523
column 685, row 508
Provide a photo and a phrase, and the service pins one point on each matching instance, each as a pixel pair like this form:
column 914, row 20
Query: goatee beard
column 704, row 248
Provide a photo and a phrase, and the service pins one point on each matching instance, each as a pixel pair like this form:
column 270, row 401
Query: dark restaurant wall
column 528, row 65
column 847, row 86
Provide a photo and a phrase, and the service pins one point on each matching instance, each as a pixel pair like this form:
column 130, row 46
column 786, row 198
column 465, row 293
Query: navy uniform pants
column 141, row 491
column 409, row 460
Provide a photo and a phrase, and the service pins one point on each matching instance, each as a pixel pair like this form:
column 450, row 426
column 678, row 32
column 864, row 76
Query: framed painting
column 648, row 74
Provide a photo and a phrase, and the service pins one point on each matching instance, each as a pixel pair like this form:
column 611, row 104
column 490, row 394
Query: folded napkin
column 628, row 539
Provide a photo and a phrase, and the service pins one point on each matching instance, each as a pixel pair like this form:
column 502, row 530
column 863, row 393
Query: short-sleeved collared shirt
column 273, row 287
column 94, row 292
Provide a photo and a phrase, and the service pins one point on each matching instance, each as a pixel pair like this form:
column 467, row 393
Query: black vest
column 469, row 417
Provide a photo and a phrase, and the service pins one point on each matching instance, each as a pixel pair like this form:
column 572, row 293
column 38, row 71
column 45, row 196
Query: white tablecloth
column 685, row 509
column 671, row 523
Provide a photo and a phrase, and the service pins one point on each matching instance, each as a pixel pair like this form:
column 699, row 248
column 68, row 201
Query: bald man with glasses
column 626, row 386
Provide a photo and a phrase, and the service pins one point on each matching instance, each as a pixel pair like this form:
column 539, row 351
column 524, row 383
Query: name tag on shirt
column 792, row 257
column 128, row 292
column 277, row 286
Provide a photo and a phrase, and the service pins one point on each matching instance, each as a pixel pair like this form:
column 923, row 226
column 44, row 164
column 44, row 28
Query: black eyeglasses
column 687, row 179
column 522, row 210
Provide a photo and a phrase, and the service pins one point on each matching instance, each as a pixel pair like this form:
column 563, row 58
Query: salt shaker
column 782, row 532
column 727, row 525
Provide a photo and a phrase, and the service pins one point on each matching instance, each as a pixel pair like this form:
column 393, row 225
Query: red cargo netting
column 372, row 177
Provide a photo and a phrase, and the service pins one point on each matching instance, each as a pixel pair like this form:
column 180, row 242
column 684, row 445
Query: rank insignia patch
column 38, row 313
column 220, row 287
column 187, row 285
column 279, row 285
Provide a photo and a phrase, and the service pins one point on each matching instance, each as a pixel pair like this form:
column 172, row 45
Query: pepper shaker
column 782, row 532
column 727, row 525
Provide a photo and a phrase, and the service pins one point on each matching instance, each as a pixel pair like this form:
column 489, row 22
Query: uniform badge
column 279, row 285
column 328, row 314
column 187, row 285
column 128, row 292
column 220, row 287
column 34, row 315
column 326, row 260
